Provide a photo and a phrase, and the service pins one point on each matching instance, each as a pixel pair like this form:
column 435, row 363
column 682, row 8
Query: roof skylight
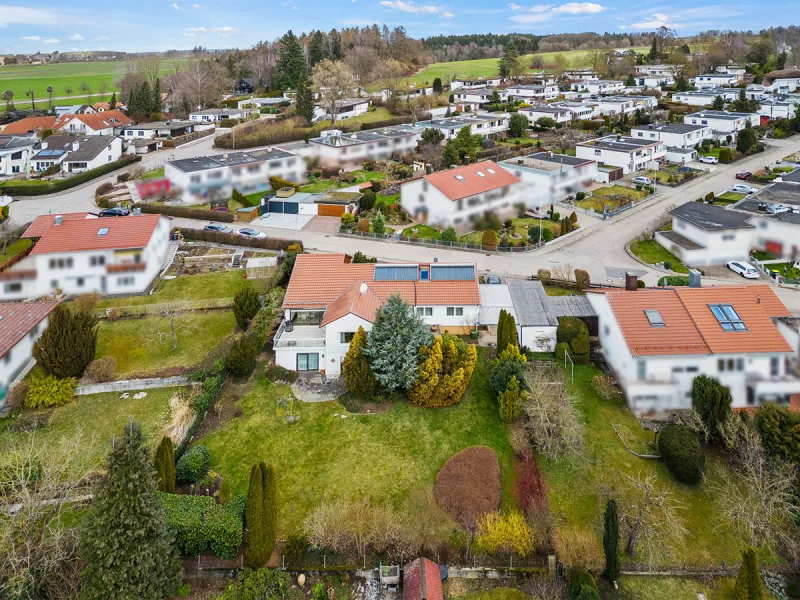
column 655, row 318
column 727, row 317
column 102, row 231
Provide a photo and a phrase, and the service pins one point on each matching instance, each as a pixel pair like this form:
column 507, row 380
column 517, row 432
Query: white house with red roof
column 107, row 123
column 78, row 253
column 458, row 197
column 656, row 341
column 329, row 297
column 21, row 324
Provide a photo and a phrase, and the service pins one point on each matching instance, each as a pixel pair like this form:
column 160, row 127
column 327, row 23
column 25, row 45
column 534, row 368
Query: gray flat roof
column 683, row 242
column 535, row 308
column 670, row 127
column 218, row 111
column 619, row 142
column 272, row 153
column 361, row 137
column 718, row 114
column 163, row 125
column 198, row 163
column 776, row 193
column 232, row 159
column 546, row 161
column 710, row 217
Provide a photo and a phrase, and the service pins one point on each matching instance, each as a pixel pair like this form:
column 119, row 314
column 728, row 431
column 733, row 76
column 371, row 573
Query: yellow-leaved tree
column 423, row 389
column 444, row 373
column 505, row 533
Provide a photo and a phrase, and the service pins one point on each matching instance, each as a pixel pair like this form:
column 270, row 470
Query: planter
column 473, row 334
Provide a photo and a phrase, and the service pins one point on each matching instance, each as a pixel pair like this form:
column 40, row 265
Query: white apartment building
column 109, row 122
column 21, row 324
column 212, row 115
column 559, row 114
column 652, row 80
column 485, row 124
column 628, row 153
column 16, row 152
column 714, row 80
column 546, row 178
column 481, row 82
column 777, row 109
column 349, row 150
column 328, row 298
column 539, row 93
column 656, row 341
column 408, row 93
column 162, row 129
column 705, row 97
column 586, row 110
column 783, row 85
column 722, row 123
column 458, row 197
column 78, row 253
column 481, row 96
column 677, row 135
column 601, row 86
column 347, row 107
column 661, row 70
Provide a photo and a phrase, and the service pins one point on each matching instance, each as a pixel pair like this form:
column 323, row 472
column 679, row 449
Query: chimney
column 695, row 278
column 436, row 259
column 58, row 220
column 631, row 281
column 137, row 211
column 758, row 299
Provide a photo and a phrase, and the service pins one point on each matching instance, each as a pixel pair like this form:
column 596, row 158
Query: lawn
column 92, row 420
column 760, row 255
column 651, row 252
column 423, row 231
column 728, row 198
column 385, row 456
column 13, row 249
column 318, row 186
column 613, row 196
column 576, row 490
column 518, row 226
column 210, row 286
column 557, row 290
column 323, row 185
column 786, row 269
column 499, row 593
column 143, row 347
column 381, row 113
column 154, row 174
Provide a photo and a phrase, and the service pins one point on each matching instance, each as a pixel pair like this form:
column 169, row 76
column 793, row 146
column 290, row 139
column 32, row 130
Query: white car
column 746, row 270
column 741, row 188
column 642, row 180
column 253, row 233
column 709, row 160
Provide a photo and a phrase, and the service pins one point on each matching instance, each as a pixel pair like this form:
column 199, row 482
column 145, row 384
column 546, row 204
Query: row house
column 481, row 96
column 334, row 148
column 470, row 83
column 16, row 152
column 628, row 153
column 722, row 123
column 559, row 114
column 487, row 125
column 537, row 93
column 546, row 177
column 715, row 80
column 677, row 135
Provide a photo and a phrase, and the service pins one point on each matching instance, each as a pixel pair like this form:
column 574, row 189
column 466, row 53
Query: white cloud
column 220, row 31
column 50, row 41
column 100, row 38
column 579, row 8
column 623, row 27
column 76, row 37
column 31, row 38
column 654, row 21
column 545, row 12
column 195, row 6
column 540, row 8
column 411, row 7
column 14, row 15
column 175, row 6
column 447, row 15
column 516, row 7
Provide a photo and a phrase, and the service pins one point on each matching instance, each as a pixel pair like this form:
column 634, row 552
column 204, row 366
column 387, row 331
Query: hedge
column 65, row 184
column 673, row 280
column 212, row 379
column 568, row 328
column 681, row 452
column 232, row 239
column 198, row 522
column 278, row 183
column 392, row 122
column 193, row 465
column 187, row 212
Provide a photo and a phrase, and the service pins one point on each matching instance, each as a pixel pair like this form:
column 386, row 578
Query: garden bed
column 613, row 196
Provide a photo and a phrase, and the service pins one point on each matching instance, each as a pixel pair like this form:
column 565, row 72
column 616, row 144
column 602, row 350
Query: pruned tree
column 333, row 80
column 164, row 464
column 611, row 540
column 551, row 419
column 68, row 344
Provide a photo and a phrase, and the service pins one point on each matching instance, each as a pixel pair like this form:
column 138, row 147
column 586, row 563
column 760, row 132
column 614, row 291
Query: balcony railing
column 299, row 337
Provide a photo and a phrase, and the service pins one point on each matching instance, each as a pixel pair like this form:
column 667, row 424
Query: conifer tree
column 246, row 304
column 156, row 105
column 290, row 67
column 748, row 581
column 165, row 465
column 128, row 551
column 358, row 376
column 256, row 549
column 422, row 391
column 68, row 344
column 270, row 511
column 611, row 541
column 511, row 401
column 112, row 104
column 304, row 102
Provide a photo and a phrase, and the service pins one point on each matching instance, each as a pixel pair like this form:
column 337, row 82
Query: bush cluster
column 47, row 391
column 199, row 523
column 59, row 185
column 193, row 465
column 101, row 370
column 572, row 336
column 673, row 280
column 232, row 239
column 278, row 183
column 579, row 579
column 241, row 358
column 212, row 379
column 681, row 452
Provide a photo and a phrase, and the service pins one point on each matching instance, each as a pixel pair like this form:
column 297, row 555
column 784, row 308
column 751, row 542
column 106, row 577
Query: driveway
column 327, row 225
column 283, row 221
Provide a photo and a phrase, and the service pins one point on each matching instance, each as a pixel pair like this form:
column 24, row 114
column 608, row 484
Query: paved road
column 599, row 248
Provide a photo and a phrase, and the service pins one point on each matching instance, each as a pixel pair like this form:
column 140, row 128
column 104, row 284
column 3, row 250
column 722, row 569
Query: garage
column 331, row 210
column 283, row 206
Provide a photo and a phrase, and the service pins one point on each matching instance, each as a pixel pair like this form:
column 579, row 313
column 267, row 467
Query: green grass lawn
column 760, row 255
column 576, row 489
column 518, row 226
column 423, row 231
column 13, row 249
column 384, row 456
column 315, row 187
column 790, row 272
column 651, row 252
column 92, row 421
column 613, row 195
column 677, row 587
column 154, row 174
column 500, row 593
column 728, row 198
column 143, row 346
column 381, row 113
column 557, row 290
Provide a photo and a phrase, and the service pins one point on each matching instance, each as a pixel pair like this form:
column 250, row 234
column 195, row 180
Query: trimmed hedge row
column 65, row 184
column 217, row 237
column 392, row 122
column 198, row 523
column 188, row 213
column 673, row 280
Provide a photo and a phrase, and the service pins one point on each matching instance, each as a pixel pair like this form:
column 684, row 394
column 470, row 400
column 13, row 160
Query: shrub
column 193, row 465
column 604, row 387
column 449, row 235
column 358, row 376
column 582, row 279
column 578, row 579
column 101, row 369
column 710, row 196
column 199, row 523
column 232, row 239
column 278, row 183
column 242, row 355
column 367, row 200
column 444, row 372
column 568, row 328
column 562, row 348
column 68, row 344
column 59, row 185
column 779, row 428
column 87, row 302
column 378, row 223
column 556, row 216
column 682, row 453
column 579, row 196
column 580, row 347
column 258, row 584
column 246, row 304
column 348, row 219
column 165, row 465
column 510, row 401
column 279, row 373
column 506, row 533
column 489, row 239
column 363, row 225
column 506, row 366
column 263, row 324
column 640, row 284
column 668, row 265
column 578, row 548
column 16, row 395
column 673, row 280
column 47, row 391
column 712, row 401
column 544, row 275
column 469, row 485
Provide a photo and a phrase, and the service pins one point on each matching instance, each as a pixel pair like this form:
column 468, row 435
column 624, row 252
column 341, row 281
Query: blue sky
column 163, row 24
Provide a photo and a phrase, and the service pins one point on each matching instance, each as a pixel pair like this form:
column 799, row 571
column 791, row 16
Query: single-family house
column 714, row 80
column 150, row 136
column 15, row 153
column 349, row 150
column 77, row 154
column 213, row 115
column 481, row 96
column 731, row 69
column 704, row 234
column 260, row 103
column 329, row 297
column 73, row 109
column 109, row 122
column 658, row 69
column 458, row 197
column 246, row 85
column 652, row 80
column 105, row 106
column 580, row 74
column 601, row 86
column 546, row 178
column 79, row 253
column 581, row 111
column 656, row 341
column 407, row 93
column 559, row 114
column 776, row 109
column 722, row 123
column 703, row 97
column 628, row 153
column 679, row 135
column 485, row 124
column 782, row 82
column 21, row 324
column 480, row 82
column 29, row 125
column 538, row 93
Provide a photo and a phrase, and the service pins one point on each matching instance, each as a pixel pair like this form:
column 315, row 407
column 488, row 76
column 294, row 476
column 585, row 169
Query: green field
column 22, row 78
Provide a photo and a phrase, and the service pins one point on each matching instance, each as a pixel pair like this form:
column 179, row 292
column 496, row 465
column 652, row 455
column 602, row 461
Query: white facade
column 479, row 96
column 723, row 122
column 600, row 86
column 586, row 110
column 546, row 178
column 704, row 98
column 712, row 80
column 485, row 124
column 784, row 85
column 673, row 134
column 73, row 125
column 664, row 70
column 408, row 94
column 15, row 157
column 630, row 154
column 775, row 109
column 212, row 115
column 458, row 84
column 349, row 150
column 653, row 81
column 717, row 246
column 111, row 152
column 541, row 93
column 18, row 356
column 558, row 114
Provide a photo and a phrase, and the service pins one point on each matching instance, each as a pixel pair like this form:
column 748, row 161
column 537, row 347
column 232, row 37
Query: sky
column 157, row 25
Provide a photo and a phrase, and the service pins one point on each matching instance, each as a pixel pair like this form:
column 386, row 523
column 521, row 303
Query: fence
column 185, row 139
column 609, row 214
column 15, row 259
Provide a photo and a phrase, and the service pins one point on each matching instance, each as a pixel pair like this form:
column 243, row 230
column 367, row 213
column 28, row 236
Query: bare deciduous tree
column 334, row 81
column 103, row 89
column 171, row 312
column 550, row 416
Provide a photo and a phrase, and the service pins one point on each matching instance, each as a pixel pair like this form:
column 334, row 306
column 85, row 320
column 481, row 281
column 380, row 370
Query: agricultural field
column 21, row 78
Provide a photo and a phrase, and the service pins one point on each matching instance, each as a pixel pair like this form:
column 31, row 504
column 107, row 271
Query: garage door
column 330, row 210
column 289, row 208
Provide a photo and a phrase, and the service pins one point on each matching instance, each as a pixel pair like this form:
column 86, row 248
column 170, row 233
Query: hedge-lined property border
column 188, row 212
column 71, row 182
column 233, row 239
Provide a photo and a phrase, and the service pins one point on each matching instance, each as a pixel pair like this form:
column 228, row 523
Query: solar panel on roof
column 452, row 272
column 395, row 273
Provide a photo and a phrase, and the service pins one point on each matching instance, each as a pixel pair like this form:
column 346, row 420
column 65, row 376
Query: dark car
column 220, row 209
column 743, row 174
column 217, row 227
column 493, row 279
column 115, row 212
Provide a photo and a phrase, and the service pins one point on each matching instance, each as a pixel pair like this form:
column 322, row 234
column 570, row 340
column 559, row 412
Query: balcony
column 126, row 267
column 299, row 336
column 761, row 389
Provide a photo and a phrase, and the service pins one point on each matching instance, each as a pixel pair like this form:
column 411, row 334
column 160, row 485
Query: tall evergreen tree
column 112, row 104
column 611, row 541
column 358, row 376
column 506, row 331
column 165, row 465
column 246, row 304
column 437, row 86
column 270, row 511
column 304, row 106
column 653, row 54
column 68, row 344
column 128, row 550
column 157, row 106
column 145, row 100
column 748, row 581
column 255, row 555
column 291, row 64
column 317, row 48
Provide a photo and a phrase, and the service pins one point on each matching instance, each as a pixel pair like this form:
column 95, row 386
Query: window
column 641, row 370
column 425, row 311
column 102, row 231
column 423, row 274
column 34, row 331
column 7, row 358
column 123, row 281
column 195, row 179
column 597, row 152
column 16, row 156
column 774, row 366
column 308, row 362
column 455, row 311
column 13, row 287
column 460, row 177
column 655, row 318
column 728, row 237
column 96, row 261
column 727, row 317
column 345, row 337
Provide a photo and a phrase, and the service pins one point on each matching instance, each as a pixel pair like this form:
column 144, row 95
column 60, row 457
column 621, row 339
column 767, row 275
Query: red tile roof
column 413, row 581
column 358, row 299
column 689, row 325
column 472, row 183
column 96, row 122
column 29, row 124
column 319, row 279
column 18, row 318
column 133, row 231
column 43, row 222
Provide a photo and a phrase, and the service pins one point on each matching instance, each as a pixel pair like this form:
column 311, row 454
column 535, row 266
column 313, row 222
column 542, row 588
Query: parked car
column 709, row 160
column 115, row 212
column 746, row 270
column 778, row 209
column 493, row 279
column 642, row 180
column 217, row 227
column 743, row 174
column 220, row 209
column 253, row 233
column 743, row 189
